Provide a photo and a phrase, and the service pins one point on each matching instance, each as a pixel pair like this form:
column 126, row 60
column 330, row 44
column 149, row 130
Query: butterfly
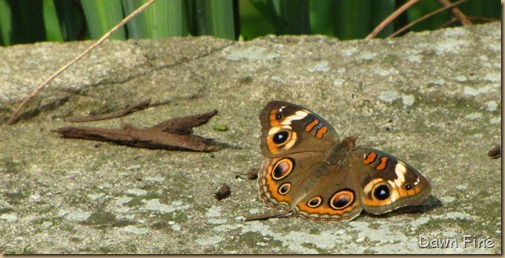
column 309, row 172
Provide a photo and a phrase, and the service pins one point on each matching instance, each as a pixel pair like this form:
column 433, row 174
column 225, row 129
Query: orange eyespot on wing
column 272, row 188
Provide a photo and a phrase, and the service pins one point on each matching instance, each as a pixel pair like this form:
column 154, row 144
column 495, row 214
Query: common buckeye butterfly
column 310, row 173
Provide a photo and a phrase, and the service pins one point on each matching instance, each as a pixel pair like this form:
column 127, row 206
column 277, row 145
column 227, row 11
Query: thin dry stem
column 424, row 18
column 66, row 66
column 390, row 18
column 457, row 13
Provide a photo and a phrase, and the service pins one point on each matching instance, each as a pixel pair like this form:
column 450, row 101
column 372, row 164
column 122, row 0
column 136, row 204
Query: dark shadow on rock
column 428, row 205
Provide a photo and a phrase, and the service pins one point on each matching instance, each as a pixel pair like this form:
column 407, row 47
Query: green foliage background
column 27, row 21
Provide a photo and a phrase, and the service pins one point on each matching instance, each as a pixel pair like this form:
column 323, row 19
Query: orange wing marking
column 382, row 165
column 311, row 125
column 370, row 158
column 321, row 131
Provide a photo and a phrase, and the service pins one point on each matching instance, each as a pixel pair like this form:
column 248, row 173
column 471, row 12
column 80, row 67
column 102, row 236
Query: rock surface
column 433, row 99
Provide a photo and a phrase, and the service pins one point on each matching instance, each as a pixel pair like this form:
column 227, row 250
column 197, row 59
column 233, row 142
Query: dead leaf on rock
column 223, row 192
column 495, row 152
column 173, row 134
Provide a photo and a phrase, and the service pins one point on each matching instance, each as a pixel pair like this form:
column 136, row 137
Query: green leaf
column 352, row 19
column 103, row 15
column 53, row 30
column 321, row 17
column 5, row 23
column 295, row 14
column 161, row 20
column 215, row 17
column 220, row 127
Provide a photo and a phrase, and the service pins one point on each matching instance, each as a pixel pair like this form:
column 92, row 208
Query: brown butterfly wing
column 385, row 182
column 294, row 142
column 333, row 196
column 306, row 185
column 285, row 126
column 351, row 180
column 284, row 180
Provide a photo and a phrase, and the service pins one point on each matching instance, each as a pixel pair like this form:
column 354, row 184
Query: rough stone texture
column 432, row 99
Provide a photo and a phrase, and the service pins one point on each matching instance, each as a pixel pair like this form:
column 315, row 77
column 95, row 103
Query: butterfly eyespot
column 315, row 202
column 282, row 169
column 279, row 116
column 280, row 137
column 342, row 199
column 408, row 187
column 284, row 188
column 381, row 192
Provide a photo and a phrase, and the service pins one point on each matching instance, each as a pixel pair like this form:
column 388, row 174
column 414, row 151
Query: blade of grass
column 27, row 23
column 321, row 21
column 165, row 19
column 135, row 27
column 252, row 23
column 215, row 17
column 489, row 9
column 352, row 19
column 169, row 19
column 295, row 13
column 51, row 22
column 270, row 12
column 200, row 23
column 5, row 23
column 72, row 19
column 101, row 15
column 220, row 17
column 380, row 11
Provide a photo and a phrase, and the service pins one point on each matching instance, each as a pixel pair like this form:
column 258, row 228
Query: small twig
column 448, row 23
column 471, row 18
column 94, row 45
column 457, row 13
column 128, row 110
column 481, row 19
column 424, row 18
column 390, row 18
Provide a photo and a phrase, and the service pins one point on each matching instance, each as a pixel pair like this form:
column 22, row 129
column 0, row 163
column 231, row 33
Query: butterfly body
column 310, row 173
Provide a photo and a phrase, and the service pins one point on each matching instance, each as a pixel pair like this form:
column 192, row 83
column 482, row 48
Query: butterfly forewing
column 286, row 126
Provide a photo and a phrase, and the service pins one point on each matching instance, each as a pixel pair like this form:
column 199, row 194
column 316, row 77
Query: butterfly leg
column 251, row 174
